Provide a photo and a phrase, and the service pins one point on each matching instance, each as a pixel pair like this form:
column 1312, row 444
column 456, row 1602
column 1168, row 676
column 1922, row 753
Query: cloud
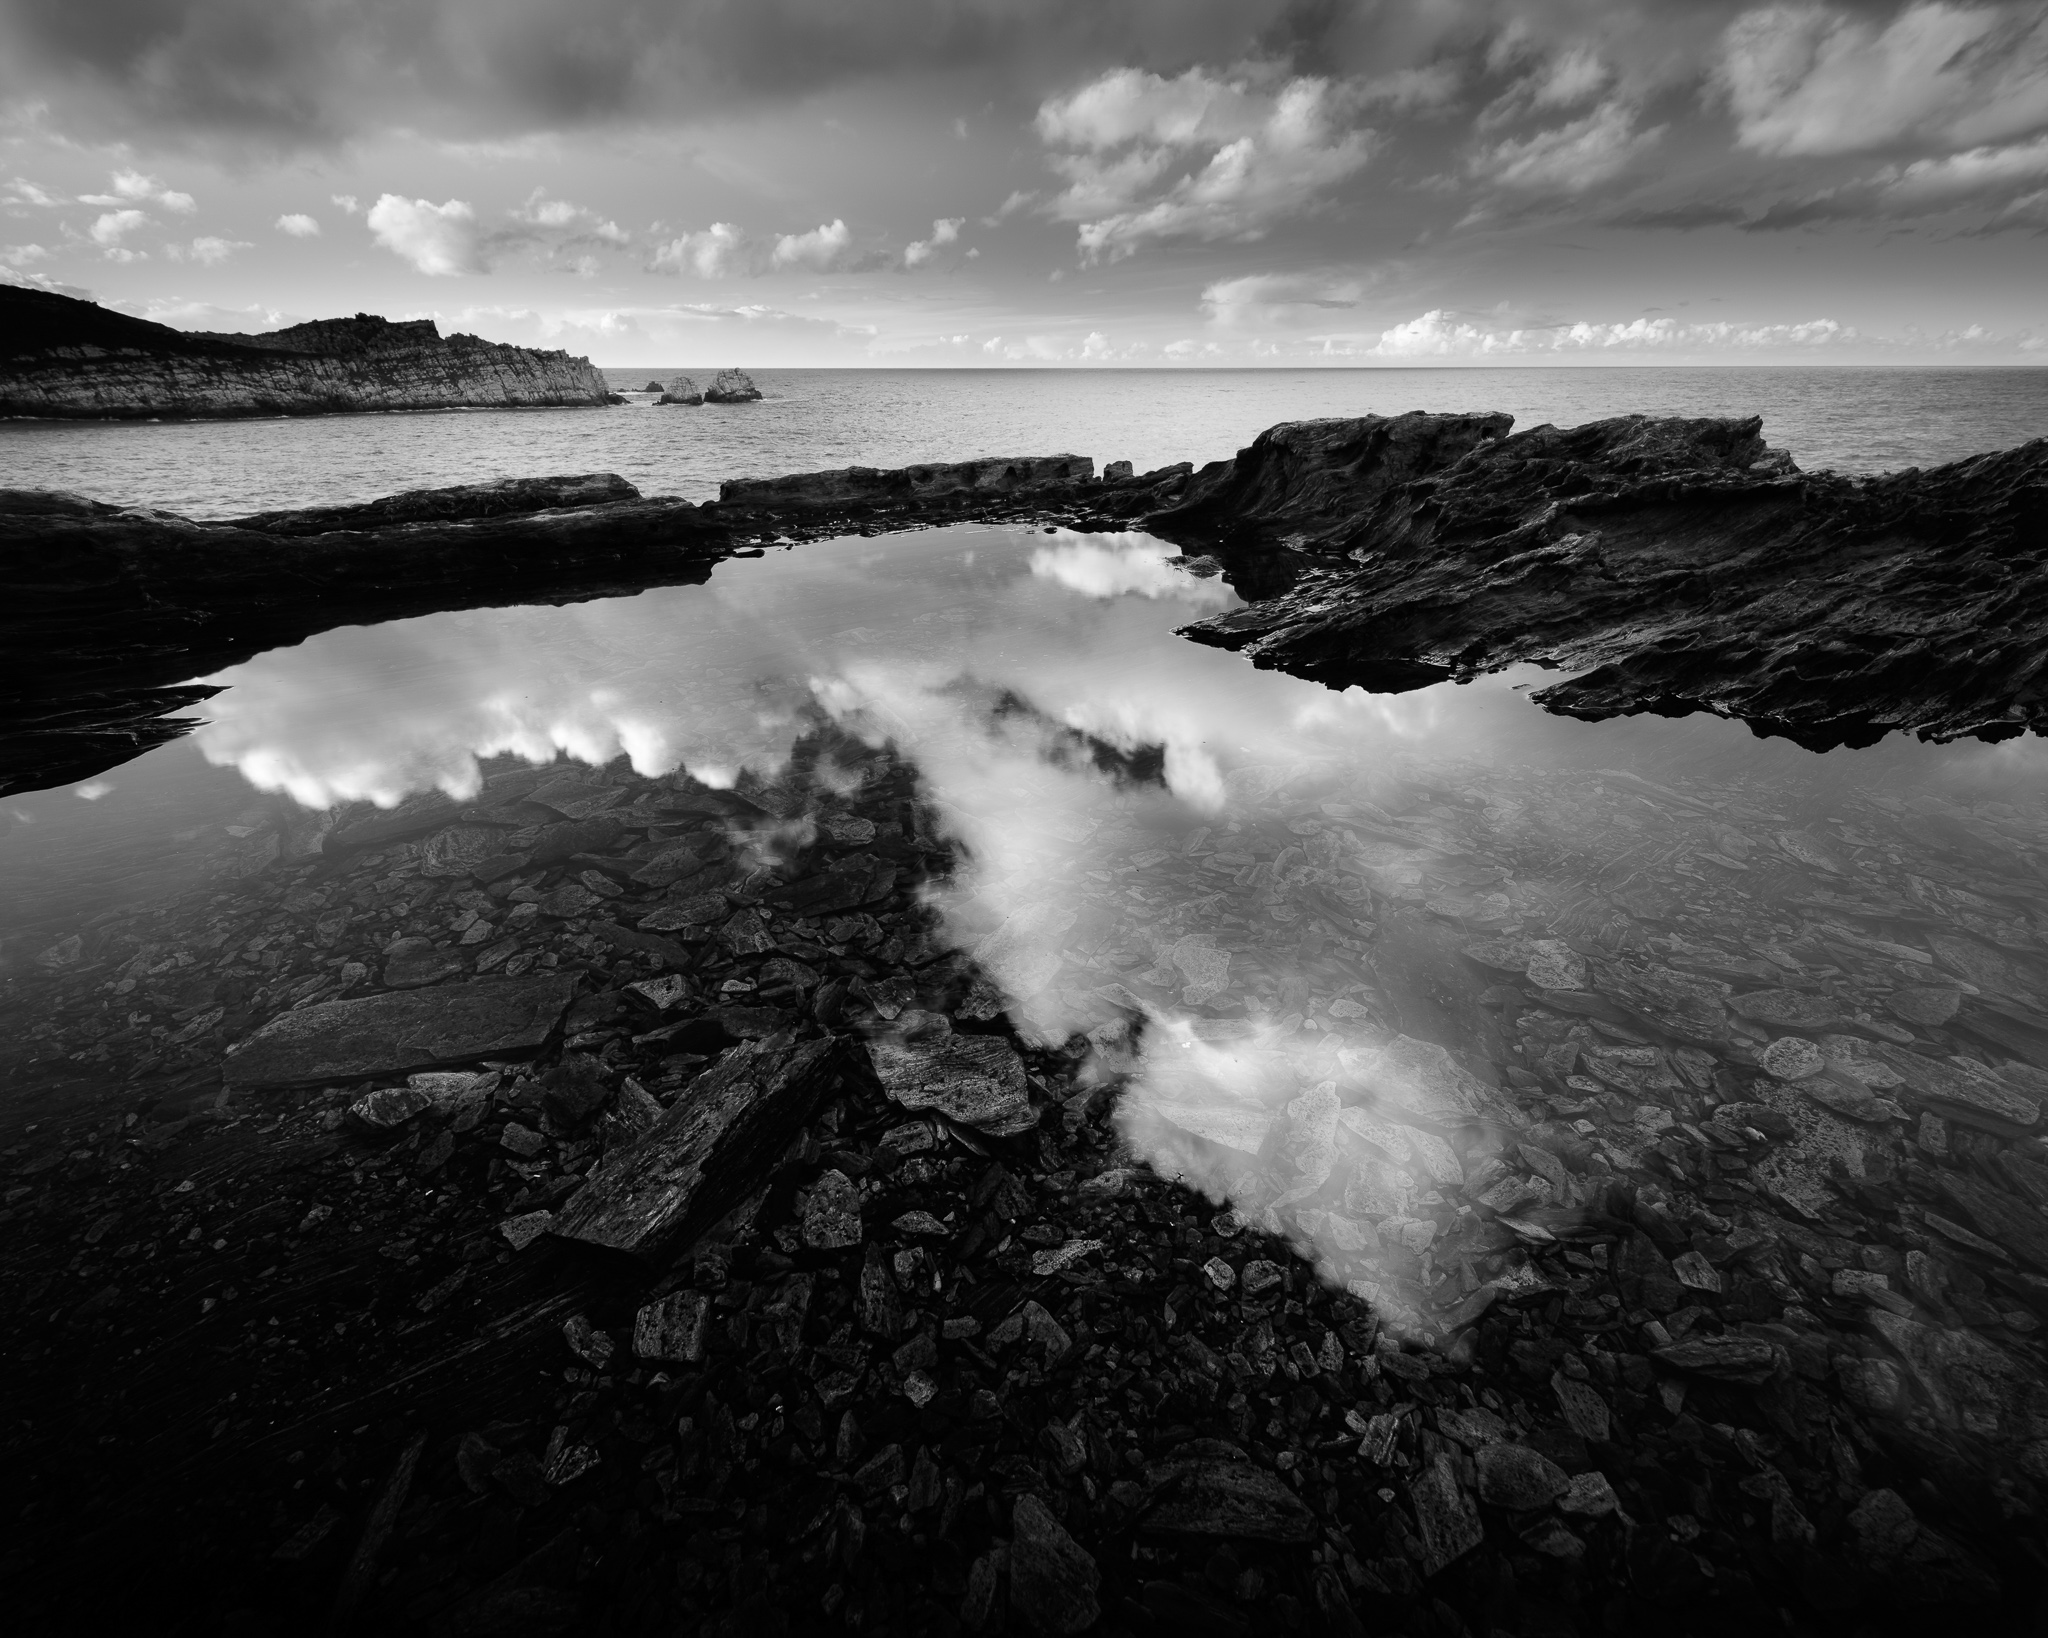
column 270, row 74
column 1567, row 158
column 1200, row 156
column 133, row 188
column 21, row 191
column 348, row 203
column 824, row 249
column 298, row 225
column 39, row 281
column 582, row 224
column 110, row 229
column 1936, row 183
column 945, row 231
column 439, row 240
column 22, row 255
column 1440, row 334
column 1807, row 79
column 726, row 251
column 1260, row 301
column 207, row 250
column 721, row 251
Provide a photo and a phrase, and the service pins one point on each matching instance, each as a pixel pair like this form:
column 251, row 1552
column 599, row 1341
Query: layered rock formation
column 1671, row 565
column 76, row 360
column 681, row 390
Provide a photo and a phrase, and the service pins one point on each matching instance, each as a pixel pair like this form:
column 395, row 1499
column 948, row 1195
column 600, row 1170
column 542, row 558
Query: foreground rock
column 392, row 1033
column 76, row 360
column 681, row 390
column 1674, row 565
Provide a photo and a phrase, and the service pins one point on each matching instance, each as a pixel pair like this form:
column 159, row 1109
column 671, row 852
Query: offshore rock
column 1673, row 565
column 681, row 390
column 401, row 1030
column 731, row 387
column 74, row 359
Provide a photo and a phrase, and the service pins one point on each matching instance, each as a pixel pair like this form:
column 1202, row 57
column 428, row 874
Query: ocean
column 1850, row 419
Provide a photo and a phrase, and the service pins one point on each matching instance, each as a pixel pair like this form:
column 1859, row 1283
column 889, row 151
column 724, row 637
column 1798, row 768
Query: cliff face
column 75, row 360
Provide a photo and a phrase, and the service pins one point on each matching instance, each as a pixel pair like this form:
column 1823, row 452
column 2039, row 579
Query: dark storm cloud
column 304, row 72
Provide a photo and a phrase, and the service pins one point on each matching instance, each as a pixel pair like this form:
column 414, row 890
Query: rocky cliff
column 76, row 360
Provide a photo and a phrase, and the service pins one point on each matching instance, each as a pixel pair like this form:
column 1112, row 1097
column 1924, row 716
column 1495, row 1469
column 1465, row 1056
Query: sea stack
column 682, row 390
column 731, row 387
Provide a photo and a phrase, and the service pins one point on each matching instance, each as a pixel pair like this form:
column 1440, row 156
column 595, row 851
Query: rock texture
column 731, row 387
column 681, row 390
column 1672, row 565
column 872, row 486
column 76, row 360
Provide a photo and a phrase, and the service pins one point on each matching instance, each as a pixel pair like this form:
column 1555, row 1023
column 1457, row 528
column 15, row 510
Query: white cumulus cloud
column 1199, row 156
column 1440, row 334
column 436, row 239
column 945, row 231
column 721, row 251
column 133, row 188
column 110, row 229
column 825, row 248
column 208, row 249
column 298, row 225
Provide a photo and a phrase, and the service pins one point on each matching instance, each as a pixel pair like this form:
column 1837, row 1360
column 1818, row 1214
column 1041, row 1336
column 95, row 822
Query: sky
column 1043, row 182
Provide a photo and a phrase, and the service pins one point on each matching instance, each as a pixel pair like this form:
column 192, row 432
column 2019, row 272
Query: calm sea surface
column 1851, row 419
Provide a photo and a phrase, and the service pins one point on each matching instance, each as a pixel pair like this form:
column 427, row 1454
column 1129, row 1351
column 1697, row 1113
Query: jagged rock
column 413, row 963
column 1233, row 1499
column 1052, row 1578
column 706, row 1151
column 1518, row 1478
column 681, row 390
column 731, row 387
column 1672, row 565
column 75, row 359
column 403, row 1030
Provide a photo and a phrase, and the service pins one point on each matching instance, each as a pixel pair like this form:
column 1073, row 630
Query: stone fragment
column 1788, row 1009
column 521, row 1140
column 1590, row 1496
column 521, row 1231
column 1583, row 1408
column 1695, row 1271
column 700, row 911
column 391, row 1033
column 389, row 1108
column 1231, row 1499
column 1219, row 1273
column 1518, row 1478
column 977, row 1080
column 586, row 1342
column 673, row 1328
column 1926, row 1005
column 1793, row 1058
column 877, row 1304
column 412, row 963
column 831, row 1216
column 1053, row 1580
column 1445, row 1515
column 1727, row 1357
column 1261, row 1275
column 708, row 1150
column 1057, row 1259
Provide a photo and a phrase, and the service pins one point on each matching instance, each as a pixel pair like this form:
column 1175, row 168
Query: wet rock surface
column 1673, row 565
column 1636, row 1330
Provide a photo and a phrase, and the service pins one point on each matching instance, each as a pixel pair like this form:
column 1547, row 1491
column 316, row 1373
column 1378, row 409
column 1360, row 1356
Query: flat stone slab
column 977, row 1080
column 404, row 1030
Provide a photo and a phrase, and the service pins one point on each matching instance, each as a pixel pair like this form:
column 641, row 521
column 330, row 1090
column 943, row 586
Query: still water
column 1307, row 938
column 1858, row 420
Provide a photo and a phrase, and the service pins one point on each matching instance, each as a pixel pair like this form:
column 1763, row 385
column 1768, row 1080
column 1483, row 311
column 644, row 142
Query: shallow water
column 1312, row 942
column 1853, row 419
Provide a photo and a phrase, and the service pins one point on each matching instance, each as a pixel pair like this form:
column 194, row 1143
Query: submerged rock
column 402, row 1030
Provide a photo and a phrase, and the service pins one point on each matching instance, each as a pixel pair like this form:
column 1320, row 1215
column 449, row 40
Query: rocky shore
column 609, row 1204
column 74, row 360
